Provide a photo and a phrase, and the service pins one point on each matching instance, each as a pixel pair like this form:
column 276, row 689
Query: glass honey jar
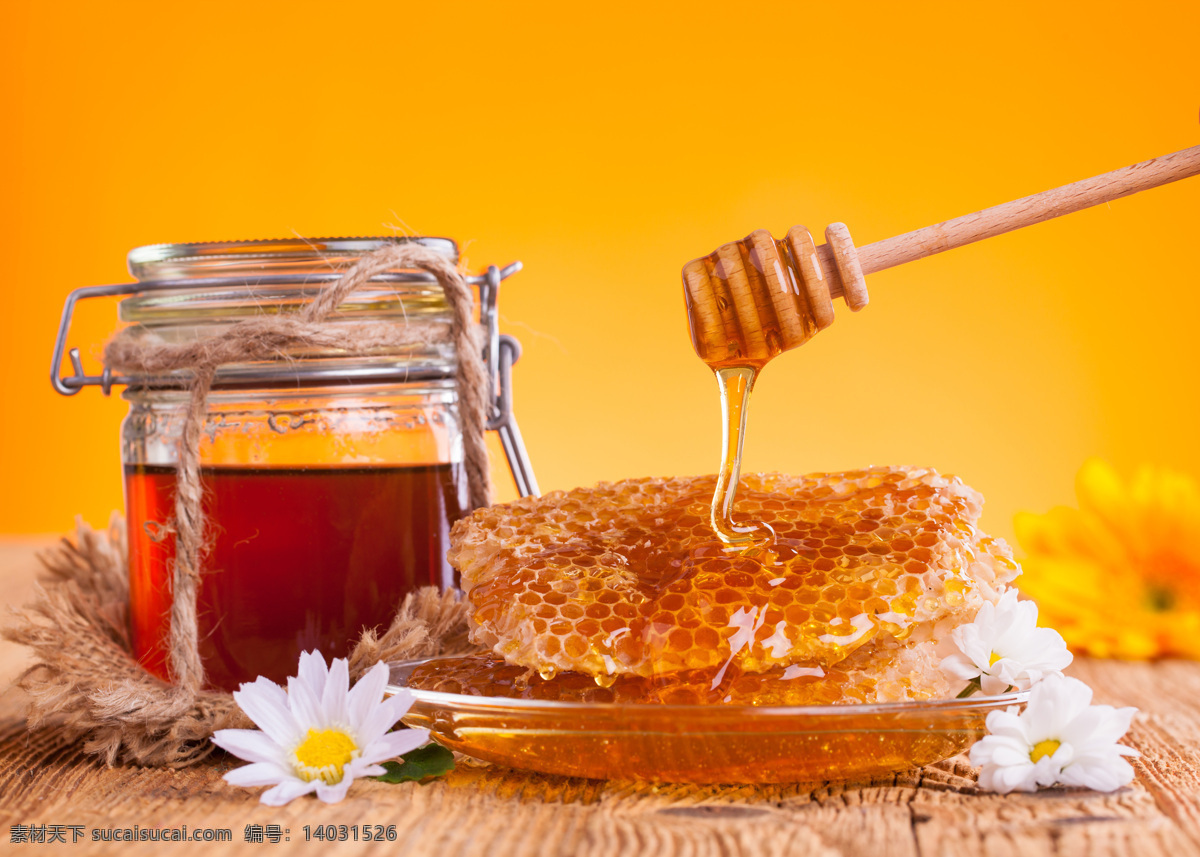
column 330, row 481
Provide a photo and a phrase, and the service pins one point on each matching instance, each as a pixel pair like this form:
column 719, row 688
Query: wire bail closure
column 501, row 351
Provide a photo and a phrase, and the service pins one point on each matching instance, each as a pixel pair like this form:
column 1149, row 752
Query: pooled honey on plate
column 595, row 736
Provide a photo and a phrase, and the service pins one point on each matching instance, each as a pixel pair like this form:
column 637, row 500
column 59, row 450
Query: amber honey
column 745, row 304
column 297, row 559
column 703, row 744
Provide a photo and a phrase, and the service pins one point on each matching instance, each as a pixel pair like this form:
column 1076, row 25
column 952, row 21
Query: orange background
column 605, row 145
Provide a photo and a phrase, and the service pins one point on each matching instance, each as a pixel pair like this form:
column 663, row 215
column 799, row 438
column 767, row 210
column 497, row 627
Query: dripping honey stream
column 736, row 383
column 745, row 307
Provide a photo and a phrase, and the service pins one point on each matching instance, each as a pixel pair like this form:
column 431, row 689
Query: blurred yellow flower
column 1120, row 575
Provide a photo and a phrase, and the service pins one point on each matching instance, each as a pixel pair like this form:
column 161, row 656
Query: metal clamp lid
column 500, row 352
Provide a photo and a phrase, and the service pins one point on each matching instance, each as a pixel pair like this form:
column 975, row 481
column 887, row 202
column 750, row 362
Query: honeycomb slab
column 627, row 579
column 874, row 673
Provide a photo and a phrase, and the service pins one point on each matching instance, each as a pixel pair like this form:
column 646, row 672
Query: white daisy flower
column 1003, row 649
column 319, row 734
column 1059, row 738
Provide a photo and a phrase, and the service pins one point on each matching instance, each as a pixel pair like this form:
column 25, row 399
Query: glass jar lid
column 193, row 290
column 169, row 261
column 226, row 281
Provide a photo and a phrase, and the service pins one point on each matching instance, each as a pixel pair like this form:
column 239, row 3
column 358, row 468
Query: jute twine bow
column 269, row 338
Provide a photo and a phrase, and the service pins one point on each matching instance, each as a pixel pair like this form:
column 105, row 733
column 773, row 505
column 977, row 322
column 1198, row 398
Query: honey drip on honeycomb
column 736, row 329
column 736, row 384
column 627, row 579
column 872, row 674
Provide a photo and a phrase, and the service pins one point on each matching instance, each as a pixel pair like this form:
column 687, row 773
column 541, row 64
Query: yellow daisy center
column 1044, row 748
column 324, row 754
column 1160, row 599
column 992, row 660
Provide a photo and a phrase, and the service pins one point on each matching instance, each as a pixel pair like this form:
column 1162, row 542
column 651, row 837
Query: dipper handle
column 754, row 298
column 1028, row 210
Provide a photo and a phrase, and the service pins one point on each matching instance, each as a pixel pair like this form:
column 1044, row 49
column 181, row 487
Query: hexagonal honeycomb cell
column 628, row 579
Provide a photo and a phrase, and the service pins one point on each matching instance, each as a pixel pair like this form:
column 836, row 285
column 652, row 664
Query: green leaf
column 432, row 760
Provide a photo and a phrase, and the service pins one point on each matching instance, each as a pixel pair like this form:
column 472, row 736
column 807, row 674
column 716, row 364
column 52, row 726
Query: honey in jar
column 301, row 559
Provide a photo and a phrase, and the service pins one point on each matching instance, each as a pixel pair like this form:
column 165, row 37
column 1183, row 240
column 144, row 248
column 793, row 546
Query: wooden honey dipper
column 753, row 299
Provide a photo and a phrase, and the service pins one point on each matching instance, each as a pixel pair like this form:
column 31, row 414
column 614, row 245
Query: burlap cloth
column 88, row 687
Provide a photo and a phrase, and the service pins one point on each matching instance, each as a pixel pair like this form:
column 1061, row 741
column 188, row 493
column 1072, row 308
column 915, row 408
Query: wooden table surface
column 502, row 813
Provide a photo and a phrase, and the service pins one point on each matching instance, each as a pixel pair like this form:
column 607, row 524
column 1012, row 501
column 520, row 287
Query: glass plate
column 701, row 743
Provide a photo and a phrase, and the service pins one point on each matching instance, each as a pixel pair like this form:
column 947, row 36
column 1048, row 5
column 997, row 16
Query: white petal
column 1051, row 652
column 313, row 671
column 263, row 685
column 1007, row 625
column 1027, row 678
column 1099, row 726
column 1002, row 743
column 1004, row 668
column 1025, row 615
column 974, row 644
column 258, row 774
column 337, row 687
column 1004, row 779
column 1102, row 776
column 986, row 617
column 266, row 704
column 249, row 744
column 366, row 694
column 334, row 793
column 395, row 744
column 984, row 750
column 994, row 685
column 1008, row 601
column 287, row 791
column 1110, row 757
column 1010, row 754
column 305, row 705
column 1053, row 703
column 1008, row 723
column 1064, row 755
column 957, row 666
column 1045, row 772
column 385, row 715
column 360, row 768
